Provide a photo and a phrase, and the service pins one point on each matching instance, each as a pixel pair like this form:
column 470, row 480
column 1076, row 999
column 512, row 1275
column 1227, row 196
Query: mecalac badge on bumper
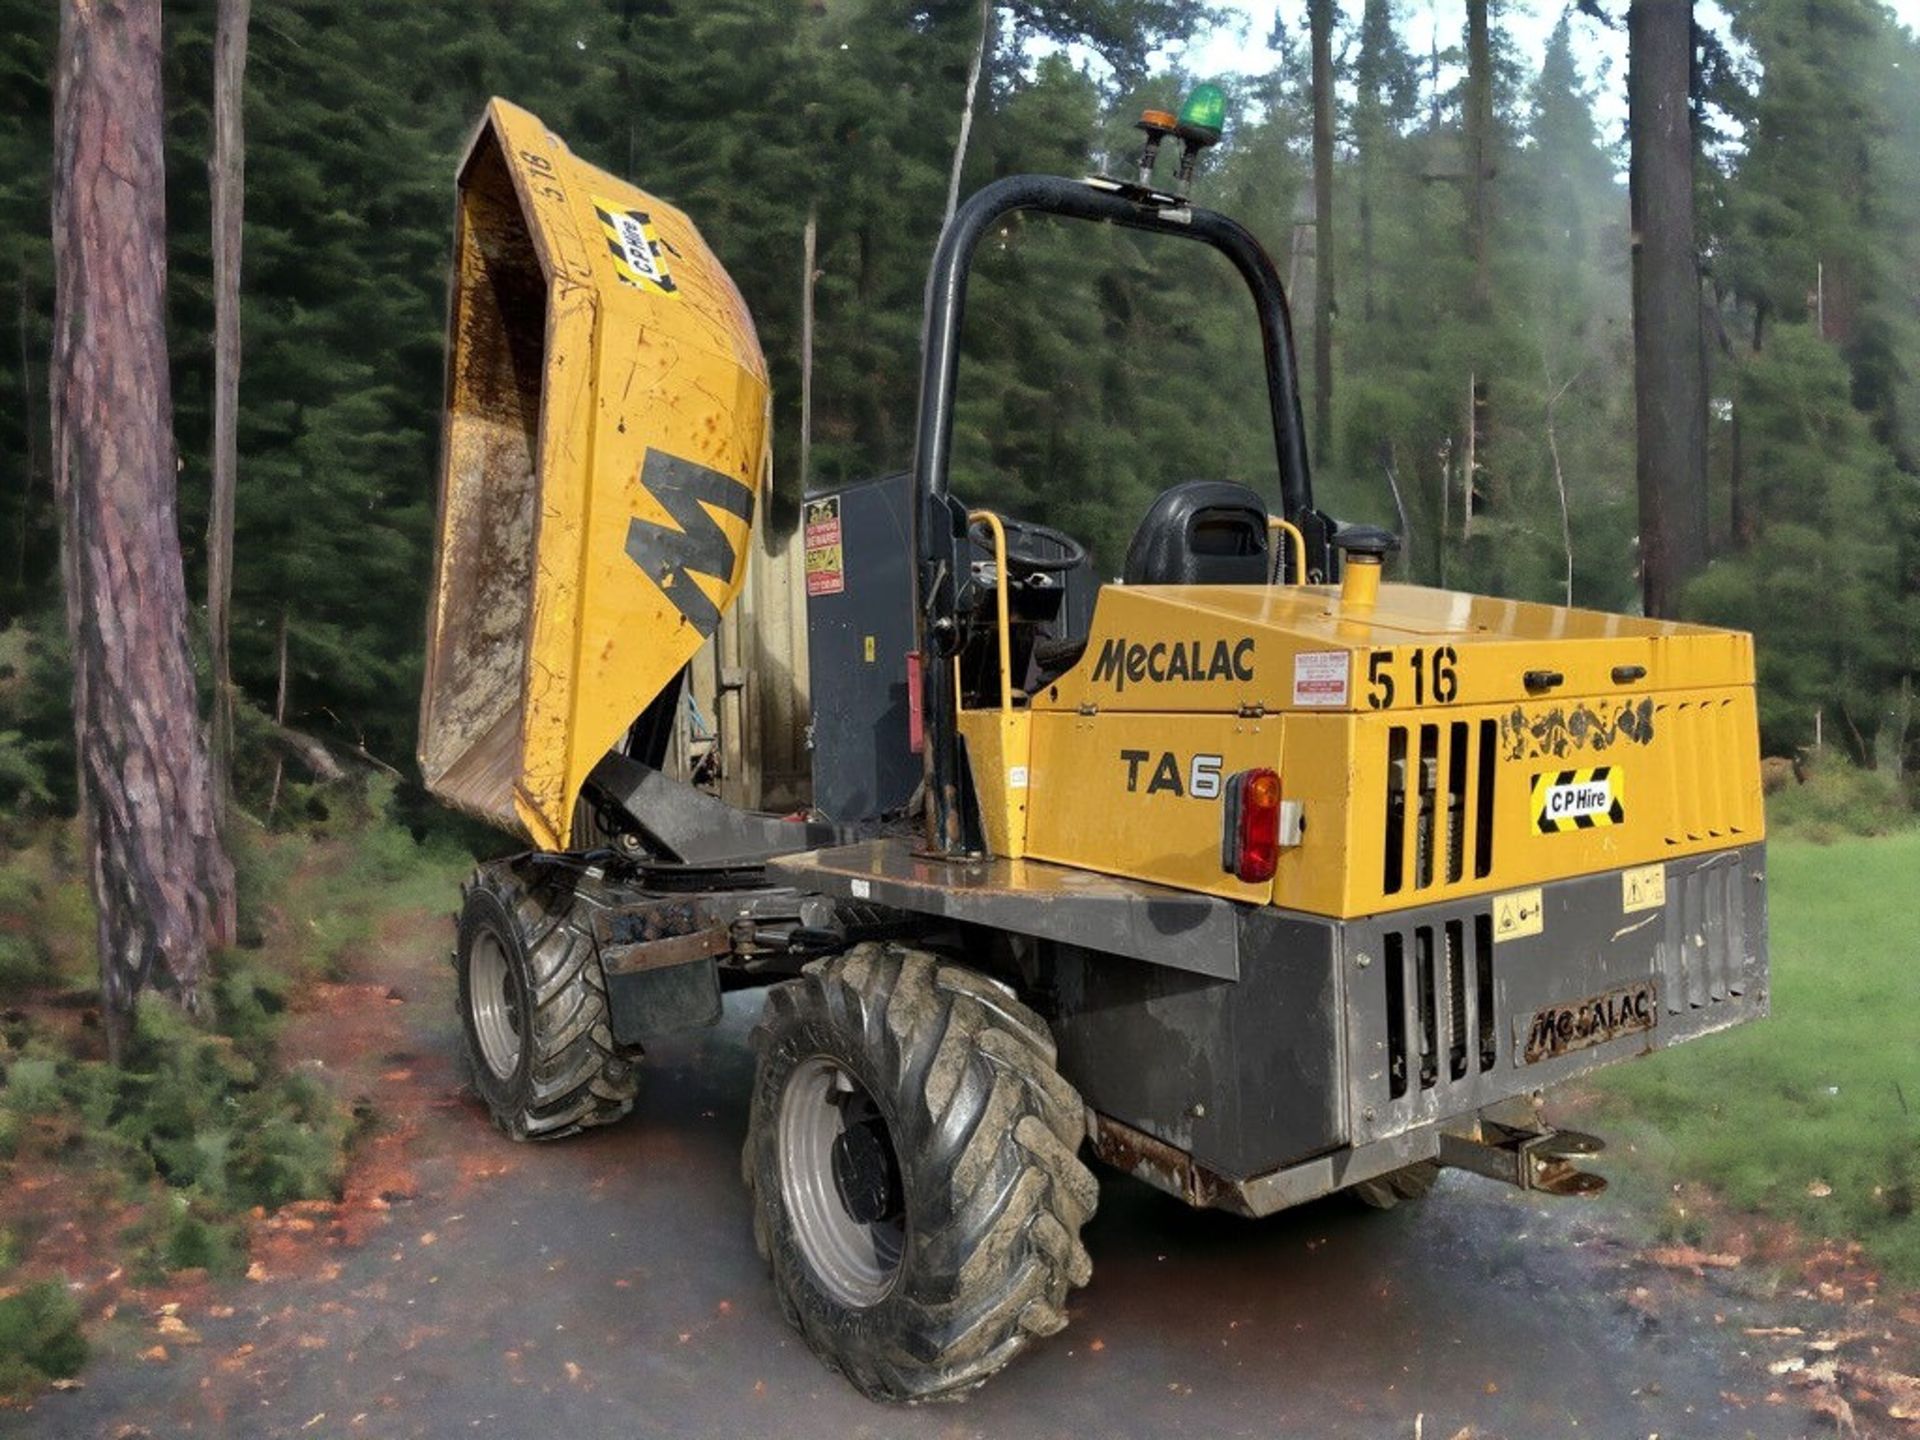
column 1562, row 1029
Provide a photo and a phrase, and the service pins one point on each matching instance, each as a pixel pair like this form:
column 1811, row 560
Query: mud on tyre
column 912, row 1157
column 533, row 1002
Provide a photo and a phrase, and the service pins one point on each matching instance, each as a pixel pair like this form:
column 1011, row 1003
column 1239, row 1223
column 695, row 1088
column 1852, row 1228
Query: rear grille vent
column 1705, row 805
column 1439, row 805
column 1440, row 1019
column 1710, row 940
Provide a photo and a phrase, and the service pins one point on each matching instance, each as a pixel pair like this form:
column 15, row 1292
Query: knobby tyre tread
column 987, row 1134
column 572, row 1075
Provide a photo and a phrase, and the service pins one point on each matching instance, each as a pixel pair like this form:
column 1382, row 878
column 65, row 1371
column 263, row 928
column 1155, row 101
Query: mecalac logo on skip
column 1121, row 664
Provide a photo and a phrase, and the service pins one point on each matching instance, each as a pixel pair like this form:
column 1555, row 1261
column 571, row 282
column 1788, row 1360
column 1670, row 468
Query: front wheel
column 912, row 1157
column 533, row 1003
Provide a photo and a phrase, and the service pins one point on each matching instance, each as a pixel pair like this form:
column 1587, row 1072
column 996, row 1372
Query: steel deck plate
column 1175, row 928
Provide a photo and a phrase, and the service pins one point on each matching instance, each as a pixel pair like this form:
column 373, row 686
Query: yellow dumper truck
column 1249, row 874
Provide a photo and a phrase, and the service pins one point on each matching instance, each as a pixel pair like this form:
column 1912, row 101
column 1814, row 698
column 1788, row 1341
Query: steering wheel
column 1028, row 558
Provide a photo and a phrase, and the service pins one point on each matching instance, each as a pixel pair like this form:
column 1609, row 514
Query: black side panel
column 1245, row 1075
column 693, row 827
column 649, row 1004
column 1288, row 1025
column 859, row 630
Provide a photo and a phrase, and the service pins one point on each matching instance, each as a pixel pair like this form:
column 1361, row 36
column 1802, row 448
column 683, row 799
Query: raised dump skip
column 605, row 443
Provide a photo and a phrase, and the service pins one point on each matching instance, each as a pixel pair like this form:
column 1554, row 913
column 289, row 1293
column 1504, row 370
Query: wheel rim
column 840, row 1178
column 493, row 998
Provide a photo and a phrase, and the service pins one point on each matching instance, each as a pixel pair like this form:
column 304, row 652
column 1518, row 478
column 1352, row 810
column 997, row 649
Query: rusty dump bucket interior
column 604, row 444
column 496, row 363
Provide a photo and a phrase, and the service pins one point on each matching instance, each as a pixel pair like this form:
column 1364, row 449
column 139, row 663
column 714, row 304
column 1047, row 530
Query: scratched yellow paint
column 592, row 334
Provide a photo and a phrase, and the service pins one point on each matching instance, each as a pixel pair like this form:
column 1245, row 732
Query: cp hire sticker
column 1566, row 800
column 1320, row 678
column 634, row 246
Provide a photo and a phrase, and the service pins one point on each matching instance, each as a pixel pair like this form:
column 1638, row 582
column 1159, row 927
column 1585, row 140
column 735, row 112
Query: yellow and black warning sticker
column 1577, row 799
column 637, row 257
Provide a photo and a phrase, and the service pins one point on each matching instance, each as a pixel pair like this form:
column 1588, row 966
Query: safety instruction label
column 1518, row 913
column 634, row 246
column 1643, row 888
column 825, row 557
column 1577, row 799
column 1320, row 678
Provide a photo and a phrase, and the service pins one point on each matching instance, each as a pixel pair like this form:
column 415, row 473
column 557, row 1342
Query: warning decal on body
column 1517, row 914
column 635, row 248
column 1320, row 678
column 825, row 559
column 1577, row 799
column 1643, row 888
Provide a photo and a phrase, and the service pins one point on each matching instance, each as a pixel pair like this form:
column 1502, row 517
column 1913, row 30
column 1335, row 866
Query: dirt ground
column 608, row 1286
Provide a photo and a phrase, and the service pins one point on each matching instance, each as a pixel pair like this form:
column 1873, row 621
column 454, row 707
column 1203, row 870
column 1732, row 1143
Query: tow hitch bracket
column 1529, row 1159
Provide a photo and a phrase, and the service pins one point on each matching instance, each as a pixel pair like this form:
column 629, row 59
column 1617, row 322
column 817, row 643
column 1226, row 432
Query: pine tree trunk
column 1480, row 155
column 1433, row 80
column 809, row 245
column 1470, row 461
column 1366, row 237
column 229, row 195
column 159, row 877
column 1739, row 521
column 1669, row 370
column 280, row 715
column 1320, row 19
column 30, row 468
column 1480, row 242
column 1743, row 519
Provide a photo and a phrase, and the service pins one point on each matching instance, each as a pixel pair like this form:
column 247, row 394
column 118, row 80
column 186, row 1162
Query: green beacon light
column 1204, row 116
column 1201, row 120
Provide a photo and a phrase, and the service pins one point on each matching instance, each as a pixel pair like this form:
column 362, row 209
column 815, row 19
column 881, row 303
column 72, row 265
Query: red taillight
column 1251, row 846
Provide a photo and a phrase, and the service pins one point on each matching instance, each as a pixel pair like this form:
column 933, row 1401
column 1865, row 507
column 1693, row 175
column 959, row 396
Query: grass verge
column 1812, row 1116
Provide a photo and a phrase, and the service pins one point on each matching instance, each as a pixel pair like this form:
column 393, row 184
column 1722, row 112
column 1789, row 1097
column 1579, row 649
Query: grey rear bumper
column 1697, row 963
column 1431, row 1017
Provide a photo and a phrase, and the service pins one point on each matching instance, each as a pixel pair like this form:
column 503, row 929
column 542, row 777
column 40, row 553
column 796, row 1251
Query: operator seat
column 1201, row 532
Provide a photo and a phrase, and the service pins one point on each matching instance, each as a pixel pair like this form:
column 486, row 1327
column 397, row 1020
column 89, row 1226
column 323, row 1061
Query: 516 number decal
column 1428, row 675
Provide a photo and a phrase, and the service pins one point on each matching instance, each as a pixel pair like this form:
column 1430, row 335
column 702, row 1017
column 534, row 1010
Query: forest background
column 1480, row 366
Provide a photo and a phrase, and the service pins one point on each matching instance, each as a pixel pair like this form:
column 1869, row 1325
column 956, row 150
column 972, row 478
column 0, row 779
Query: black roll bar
column 940, row 525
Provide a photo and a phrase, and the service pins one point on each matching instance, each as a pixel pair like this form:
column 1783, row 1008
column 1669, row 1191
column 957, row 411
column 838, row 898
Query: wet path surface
column 608, row 1286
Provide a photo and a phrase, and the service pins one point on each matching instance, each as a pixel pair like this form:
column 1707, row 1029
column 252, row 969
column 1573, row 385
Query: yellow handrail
column 992, row 522
column 1299, row 543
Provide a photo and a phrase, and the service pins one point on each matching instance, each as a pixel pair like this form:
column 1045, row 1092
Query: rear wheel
column 1397, row 1187
column 533, row 1003
column 912, row 1157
